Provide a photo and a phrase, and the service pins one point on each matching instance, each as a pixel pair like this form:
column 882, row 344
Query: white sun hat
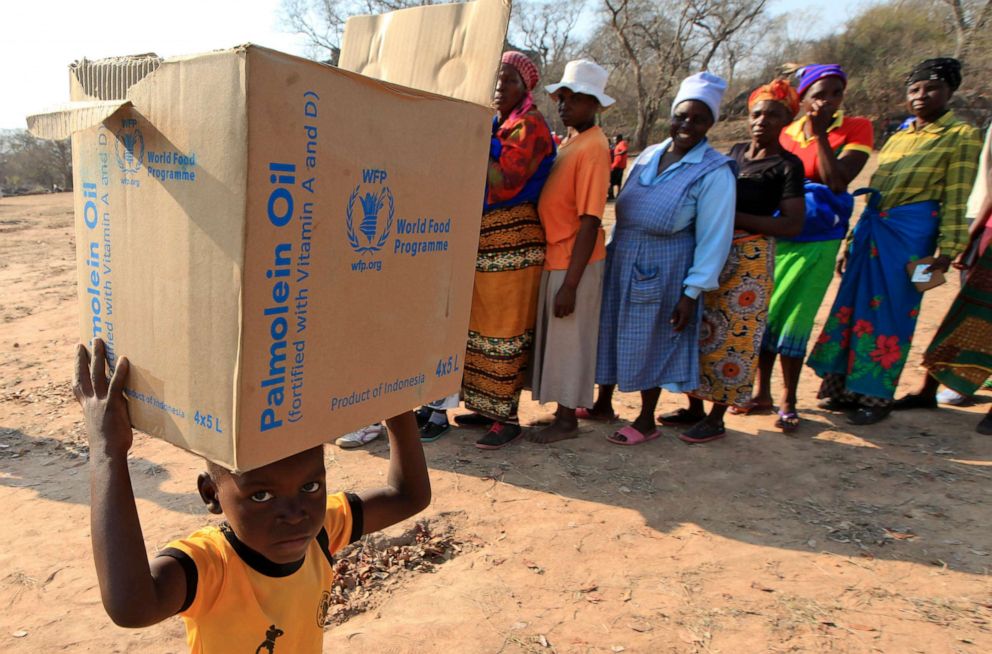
column 584, row 76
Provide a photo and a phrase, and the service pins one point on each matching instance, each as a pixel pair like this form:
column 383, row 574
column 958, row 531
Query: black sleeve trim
column 192, row 576
column 324, row 541
column 357, row 517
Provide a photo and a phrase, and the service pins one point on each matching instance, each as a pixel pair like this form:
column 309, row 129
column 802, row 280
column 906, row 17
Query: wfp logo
column 376, row 218
column 130, row 146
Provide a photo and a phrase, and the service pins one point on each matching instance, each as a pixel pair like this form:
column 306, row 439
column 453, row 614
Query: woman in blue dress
column 675, row 223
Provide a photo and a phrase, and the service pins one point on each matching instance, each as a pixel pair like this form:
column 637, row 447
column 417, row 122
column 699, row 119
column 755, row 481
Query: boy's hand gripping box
column 284, row 250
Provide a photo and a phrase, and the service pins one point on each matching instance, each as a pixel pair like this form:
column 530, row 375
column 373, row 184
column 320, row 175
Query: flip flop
column 788, row 421
column 707, row 434
column 679, row 418
column 583, row 413
column 750, row 409
column 632, row 436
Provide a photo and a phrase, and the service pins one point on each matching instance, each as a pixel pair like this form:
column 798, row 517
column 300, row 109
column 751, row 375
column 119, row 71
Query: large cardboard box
column 284, row 250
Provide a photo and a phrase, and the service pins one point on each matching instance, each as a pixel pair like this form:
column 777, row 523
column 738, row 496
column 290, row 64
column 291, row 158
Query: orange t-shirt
column 242, row 602
column 576, row 187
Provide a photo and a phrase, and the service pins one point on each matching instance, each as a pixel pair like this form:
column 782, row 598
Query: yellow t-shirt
column 576, row 187
column 238, row 601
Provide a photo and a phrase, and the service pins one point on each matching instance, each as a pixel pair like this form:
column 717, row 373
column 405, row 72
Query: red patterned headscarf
column 528, row 72
column 524, row 66
column 779, row 91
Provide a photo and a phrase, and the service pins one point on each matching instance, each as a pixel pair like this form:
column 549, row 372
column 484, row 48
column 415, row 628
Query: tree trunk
column 646, row 116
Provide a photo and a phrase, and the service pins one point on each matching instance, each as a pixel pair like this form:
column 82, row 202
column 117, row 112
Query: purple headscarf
column 810, row 75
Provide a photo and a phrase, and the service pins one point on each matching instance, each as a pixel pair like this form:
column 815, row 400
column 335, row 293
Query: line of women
column 718, row 262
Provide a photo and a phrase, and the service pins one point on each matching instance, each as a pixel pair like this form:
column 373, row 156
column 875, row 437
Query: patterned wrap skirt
column 865, row 341
column 504, row 309
column 733, row 324
column 960, row 355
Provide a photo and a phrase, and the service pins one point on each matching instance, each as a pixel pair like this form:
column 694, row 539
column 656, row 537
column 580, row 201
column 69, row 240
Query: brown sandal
column 751, row 408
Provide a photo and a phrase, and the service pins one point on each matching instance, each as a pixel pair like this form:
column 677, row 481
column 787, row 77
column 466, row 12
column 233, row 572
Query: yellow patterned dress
column 733, row 322
column 504, row 310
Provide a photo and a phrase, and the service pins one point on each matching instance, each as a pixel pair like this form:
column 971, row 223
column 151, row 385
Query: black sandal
column 869, row 415
column 473, row 420
column 680, row 417
column 914, row 401
column 499, row 436
column 703, row 432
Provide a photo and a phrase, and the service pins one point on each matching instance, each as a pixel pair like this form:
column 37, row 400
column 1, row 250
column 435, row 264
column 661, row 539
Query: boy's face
column 575, row 109
column 276, row 510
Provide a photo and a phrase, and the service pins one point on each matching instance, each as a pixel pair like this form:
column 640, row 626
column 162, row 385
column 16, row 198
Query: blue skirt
column 868, row 333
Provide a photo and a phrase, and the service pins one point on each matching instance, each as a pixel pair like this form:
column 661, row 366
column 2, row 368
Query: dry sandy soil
column 836, row 539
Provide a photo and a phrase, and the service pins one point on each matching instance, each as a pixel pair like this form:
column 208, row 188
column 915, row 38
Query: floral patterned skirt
column 865, row 341
column 733, row 322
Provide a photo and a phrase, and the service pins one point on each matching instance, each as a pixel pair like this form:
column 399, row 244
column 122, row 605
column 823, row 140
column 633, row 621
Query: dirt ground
column 836, row 539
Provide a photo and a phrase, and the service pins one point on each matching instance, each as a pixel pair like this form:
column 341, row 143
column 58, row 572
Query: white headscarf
column 705, row 87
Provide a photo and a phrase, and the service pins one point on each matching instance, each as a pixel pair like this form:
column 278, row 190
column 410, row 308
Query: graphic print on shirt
column 268, row 645
column 323, row 608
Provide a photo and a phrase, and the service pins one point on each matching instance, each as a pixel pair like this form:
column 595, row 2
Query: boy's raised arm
column 408, row 489
column 134, row 593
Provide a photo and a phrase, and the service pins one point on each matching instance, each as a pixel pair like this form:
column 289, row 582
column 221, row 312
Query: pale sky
column 41, row 37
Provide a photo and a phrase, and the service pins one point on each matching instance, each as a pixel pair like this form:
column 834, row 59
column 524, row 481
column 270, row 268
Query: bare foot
column 556, row 431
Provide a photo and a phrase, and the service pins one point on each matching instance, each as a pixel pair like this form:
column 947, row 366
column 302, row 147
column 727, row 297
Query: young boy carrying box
column 260, row 582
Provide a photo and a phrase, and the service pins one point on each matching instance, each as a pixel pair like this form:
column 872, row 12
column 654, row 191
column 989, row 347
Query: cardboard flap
column 61, row 121
column 451, row 49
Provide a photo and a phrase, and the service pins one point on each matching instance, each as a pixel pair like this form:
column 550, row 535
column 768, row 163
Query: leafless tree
column 970, row 19
column 31, row 163
column 321, row 22
column 546, row 28
column 662, row 41
column 719, row 22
